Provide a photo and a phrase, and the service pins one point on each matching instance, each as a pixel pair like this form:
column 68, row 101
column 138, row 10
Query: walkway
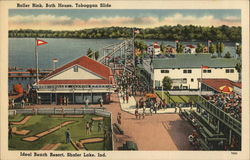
column 156, row 132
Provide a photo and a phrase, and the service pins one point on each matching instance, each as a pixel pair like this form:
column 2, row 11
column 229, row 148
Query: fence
column 58, row 111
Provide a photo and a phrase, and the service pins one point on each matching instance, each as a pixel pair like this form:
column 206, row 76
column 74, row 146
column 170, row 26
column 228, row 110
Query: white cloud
column 67, row 23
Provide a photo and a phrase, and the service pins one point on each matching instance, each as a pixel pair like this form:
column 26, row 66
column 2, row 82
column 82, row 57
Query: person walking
column 87, row 128
column 99, row 126
column 136, row 113
column 86, row 102
column 119, row 118
column 67, row 134
column 61, row 100
column 91, row 125
column 64, row 100
column 127, row 97
column 101, row 102
column 23, row 102
column 123, row 98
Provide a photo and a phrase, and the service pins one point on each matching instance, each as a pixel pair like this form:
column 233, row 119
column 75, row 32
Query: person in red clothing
column 61, row 100
column 127, row 98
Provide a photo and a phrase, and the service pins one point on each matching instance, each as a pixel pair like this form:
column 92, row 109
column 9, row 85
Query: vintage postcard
column 124, row 79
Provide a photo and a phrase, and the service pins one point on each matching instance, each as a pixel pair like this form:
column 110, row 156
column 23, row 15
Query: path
column 23, row 121
column 156, row 132
column 39, row 135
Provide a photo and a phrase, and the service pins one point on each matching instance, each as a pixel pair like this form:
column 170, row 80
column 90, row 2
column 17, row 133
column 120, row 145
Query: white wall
column 196, row 74
column 71, row 75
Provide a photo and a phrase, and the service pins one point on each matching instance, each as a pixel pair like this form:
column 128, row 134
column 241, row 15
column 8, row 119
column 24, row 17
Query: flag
column 55, row 60
column 176, row 41
column 40, row 42
column 137, row 31
column 209, row 41
column 204, row 67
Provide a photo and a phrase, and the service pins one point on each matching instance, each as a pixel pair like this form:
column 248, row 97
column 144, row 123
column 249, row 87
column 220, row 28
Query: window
column 75, row 68
column 207, row 71
column 229, row 70
column 192, row 80
column 164, row 71
column 187, row 71
column 184, row 80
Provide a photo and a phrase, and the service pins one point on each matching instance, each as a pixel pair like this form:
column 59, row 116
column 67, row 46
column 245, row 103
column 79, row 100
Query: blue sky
column 82, row 19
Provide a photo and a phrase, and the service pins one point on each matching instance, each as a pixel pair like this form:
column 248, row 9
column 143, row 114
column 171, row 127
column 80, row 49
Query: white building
column 81, row 79
column 185, row 70
column 189, row 49
column 154, row 49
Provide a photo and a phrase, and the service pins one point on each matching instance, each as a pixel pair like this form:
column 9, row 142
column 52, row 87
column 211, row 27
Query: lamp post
column 54, row 60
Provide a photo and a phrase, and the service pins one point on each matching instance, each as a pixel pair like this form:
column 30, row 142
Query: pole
column 36, row 54
column 208, row 46
column 54, row 65
column 162, row 91
column 133, row 48
column 201, row 79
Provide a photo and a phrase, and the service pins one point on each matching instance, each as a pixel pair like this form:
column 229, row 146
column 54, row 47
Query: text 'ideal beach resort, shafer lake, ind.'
column 174, row 84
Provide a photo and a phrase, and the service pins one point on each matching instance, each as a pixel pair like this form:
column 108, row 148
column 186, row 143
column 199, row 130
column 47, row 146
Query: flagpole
column 208, row 46
column 134, row 48
column 201, row 78
column 36, row 53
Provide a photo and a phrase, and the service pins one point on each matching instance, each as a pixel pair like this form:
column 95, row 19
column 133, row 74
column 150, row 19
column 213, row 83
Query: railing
column 224, row 117
column 60, row 111
column 115, row 48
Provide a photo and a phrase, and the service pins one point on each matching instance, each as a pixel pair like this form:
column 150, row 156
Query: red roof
column 87, row 63
column 190, row 46
column 217, row 83
column 90, row 81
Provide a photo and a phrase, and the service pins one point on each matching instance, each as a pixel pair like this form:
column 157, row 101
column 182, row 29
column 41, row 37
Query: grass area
column 176, row 99
column 17, row 117
column 40, row 123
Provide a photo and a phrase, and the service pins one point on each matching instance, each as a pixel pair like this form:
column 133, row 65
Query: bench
column 203, row 144
column 118, row 128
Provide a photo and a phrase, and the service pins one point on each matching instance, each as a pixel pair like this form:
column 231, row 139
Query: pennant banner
column 40, row 42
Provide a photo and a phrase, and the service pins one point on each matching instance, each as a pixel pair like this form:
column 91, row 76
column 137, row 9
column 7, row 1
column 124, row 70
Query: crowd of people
column 129, row 84
column 230, row 103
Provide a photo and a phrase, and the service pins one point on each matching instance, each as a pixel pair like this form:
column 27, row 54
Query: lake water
column 22, row 51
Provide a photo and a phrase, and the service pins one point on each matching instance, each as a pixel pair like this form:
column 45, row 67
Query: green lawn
column 176, row 99
column 40, row 123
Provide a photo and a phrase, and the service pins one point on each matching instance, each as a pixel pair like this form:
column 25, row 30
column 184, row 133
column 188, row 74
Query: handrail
column 221, row 115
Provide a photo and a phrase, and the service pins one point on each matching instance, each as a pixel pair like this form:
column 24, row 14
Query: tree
column 162, row 47
column 220, row 48
column 179, row 47
column 90, row 53
column 212, row 48
column 167, row 83
column 199, row 48
column 227, row 55
column 238, row 50
column 141, row 45
column 238, row 68
column 96, row 54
